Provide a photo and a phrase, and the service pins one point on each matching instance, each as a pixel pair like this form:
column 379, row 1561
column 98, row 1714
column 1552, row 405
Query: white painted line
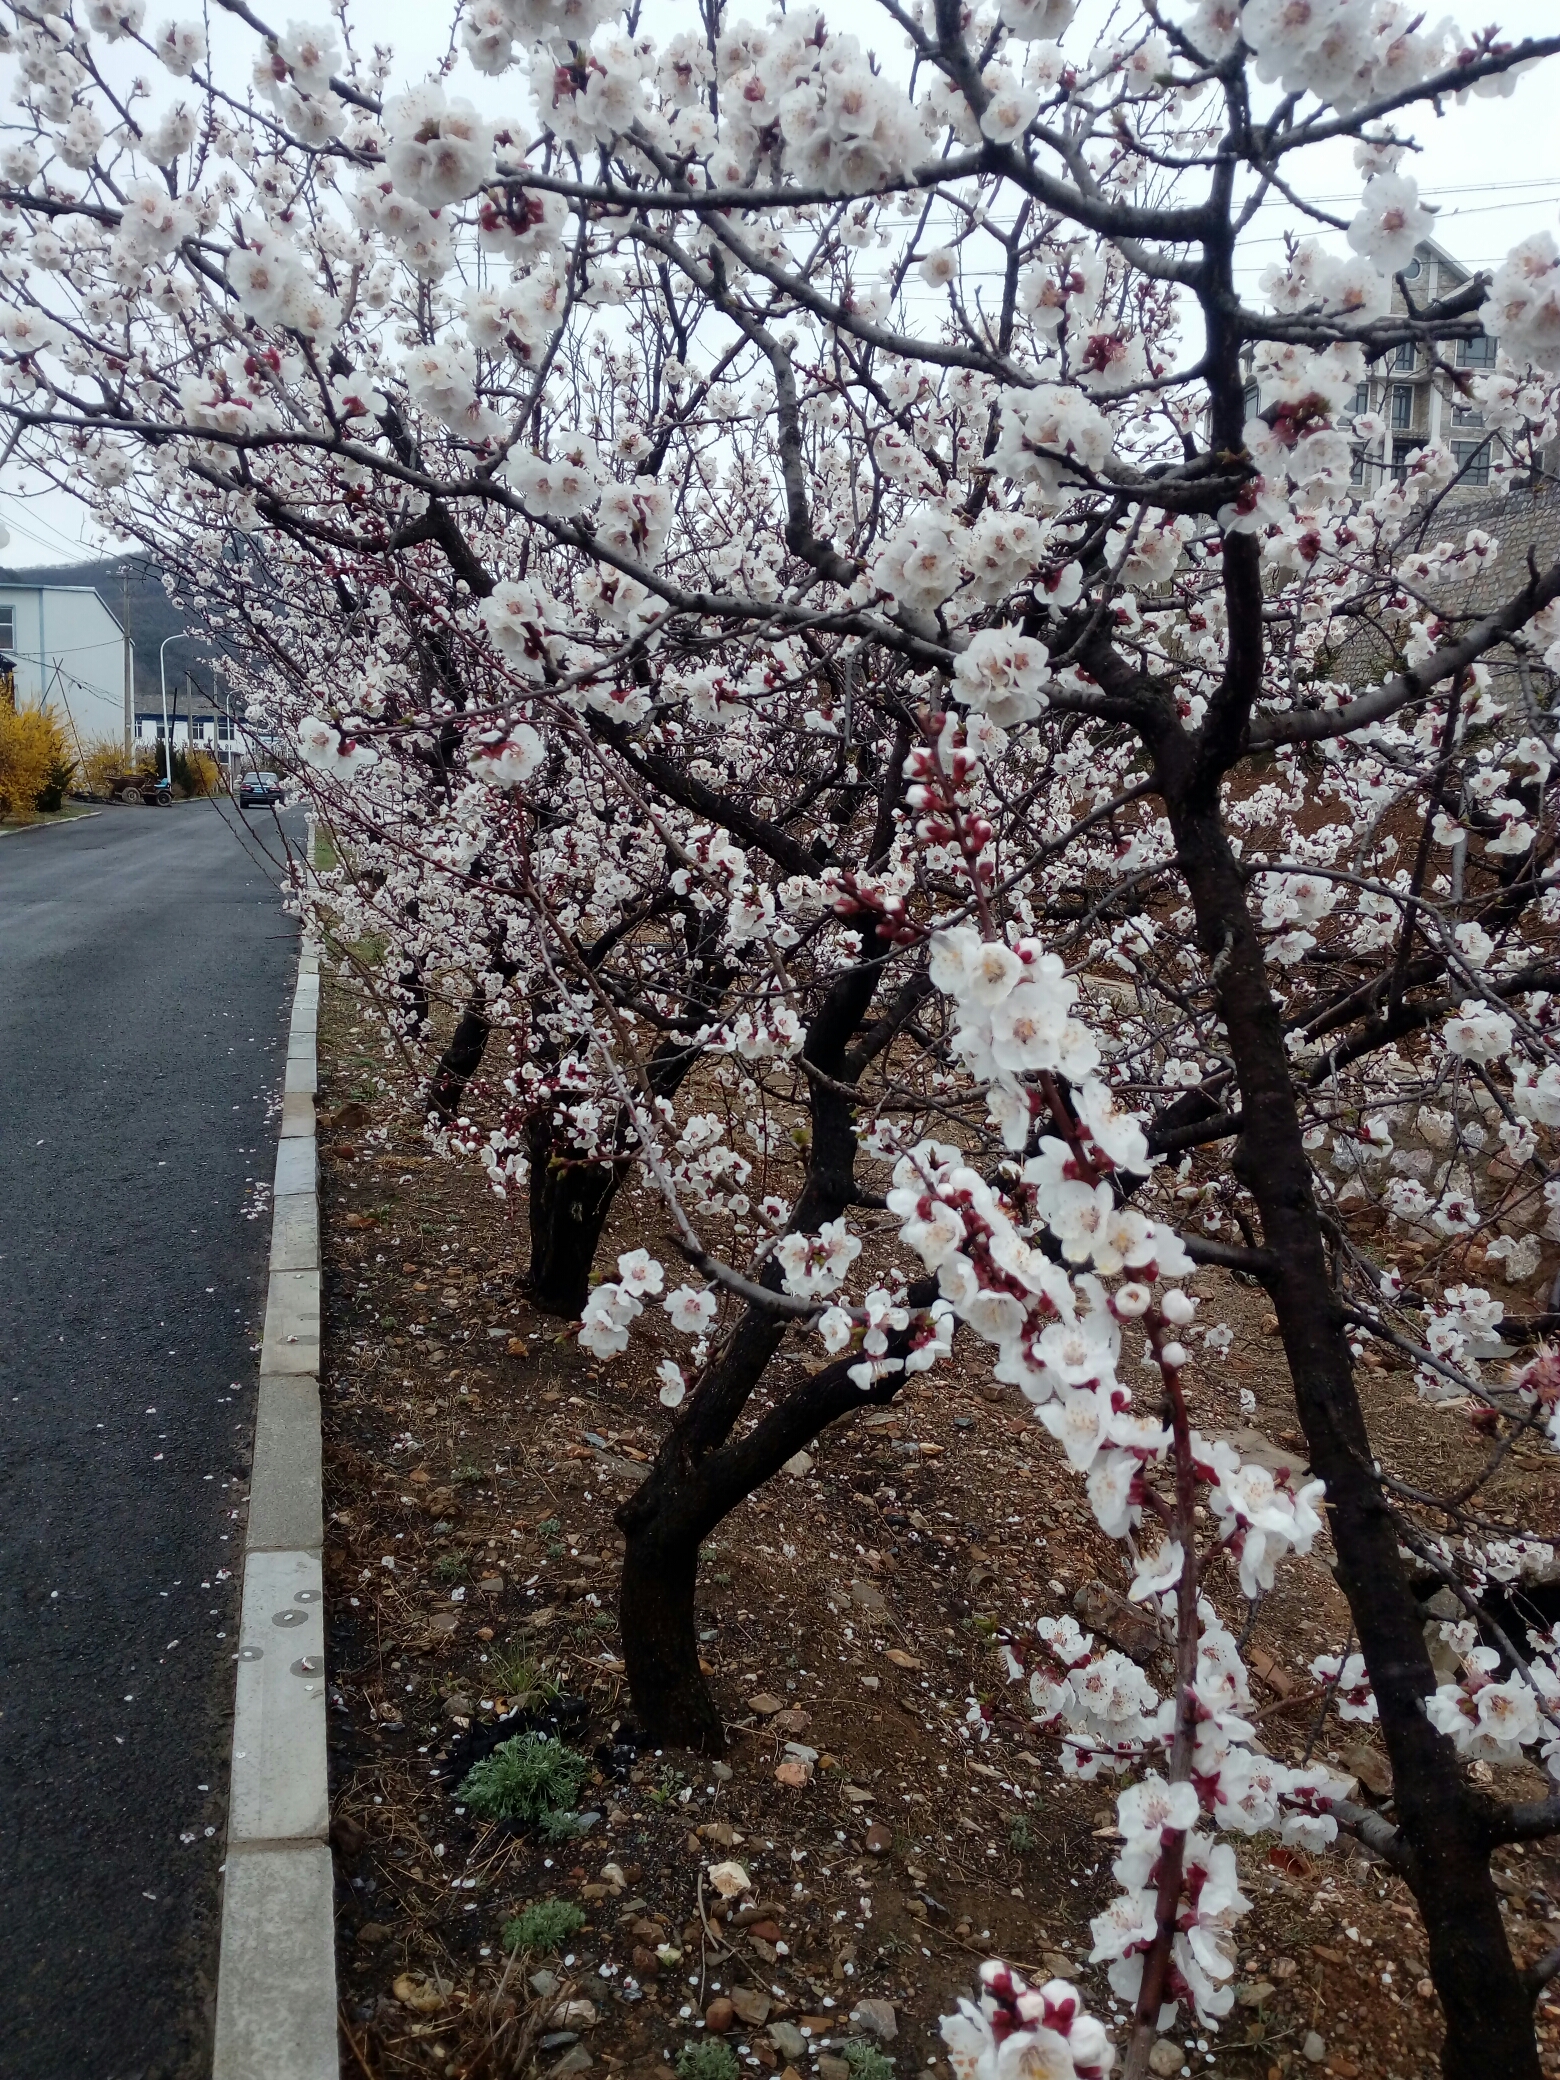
column 276, row 1984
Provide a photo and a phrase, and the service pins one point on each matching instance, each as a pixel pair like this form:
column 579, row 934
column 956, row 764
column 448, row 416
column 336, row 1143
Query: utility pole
column 162, row 673
column 124, row 623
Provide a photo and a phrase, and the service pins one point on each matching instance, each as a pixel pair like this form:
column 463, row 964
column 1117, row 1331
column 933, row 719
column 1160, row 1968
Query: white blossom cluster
column 727, row 532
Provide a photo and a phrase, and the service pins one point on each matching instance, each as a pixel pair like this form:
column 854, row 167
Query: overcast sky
column 1493, row 166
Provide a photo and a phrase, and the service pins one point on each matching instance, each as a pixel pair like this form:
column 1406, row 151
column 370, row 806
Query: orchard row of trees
column 838, row 712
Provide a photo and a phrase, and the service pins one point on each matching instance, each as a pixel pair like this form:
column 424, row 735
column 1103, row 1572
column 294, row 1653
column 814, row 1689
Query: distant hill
column 132, row 590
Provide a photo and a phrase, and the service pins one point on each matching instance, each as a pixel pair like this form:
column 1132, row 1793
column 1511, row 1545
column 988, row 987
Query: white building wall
column 149, row 731
column 70, row 651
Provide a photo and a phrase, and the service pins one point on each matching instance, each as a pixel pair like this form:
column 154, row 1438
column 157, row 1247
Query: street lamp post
column 162, row 673
column 224, row 710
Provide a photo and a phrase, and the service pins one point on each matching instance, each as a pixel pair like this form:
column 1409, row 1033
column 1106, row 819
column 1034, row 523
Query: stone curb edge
column 276, row 1978
column 21, row 830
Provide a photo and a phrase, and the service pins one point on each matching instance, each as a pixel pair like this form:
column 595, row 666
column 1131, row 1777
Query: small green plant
column 866, row 2062
column 450, row 1567
column 1021, row 1837
column 710, row 2060
column 559, row 1827
column 546, row 1924
column 466, row 1472
column 672, row 1781
column 520, row 1678
column 524, row 1778
column 549, row 1527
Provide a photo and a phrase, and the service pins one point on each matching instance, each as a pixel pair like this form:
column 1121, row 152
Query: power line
column 71, row 649
column 78, row 550
column 15, row 527
column 1427, row 194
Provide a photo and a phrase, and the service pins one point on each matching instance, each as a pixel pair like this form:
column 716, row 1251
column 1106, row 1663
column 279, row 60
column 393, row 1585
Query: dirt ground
column 475, row 1457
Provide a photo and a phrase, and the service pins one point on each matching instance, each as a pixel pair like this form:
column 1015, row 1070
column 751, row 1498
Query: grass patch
column 525, row 1778
column 710, row 2060
column 546, row 1924
column 866, row 2062
column 521, row 1678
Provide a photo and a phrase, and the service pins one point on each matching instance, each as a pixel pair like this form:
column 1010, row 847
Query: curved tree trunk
column 1488, row 2015
column 461, row 1059
column 569, row 1202
column 700, row 1475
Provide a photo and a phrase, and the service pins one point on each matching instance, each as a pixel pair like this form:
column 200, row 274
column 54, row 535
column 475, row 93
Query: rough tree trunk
column 700, row 1475
column 462, row 1057
column 703, row 1470
column 1489, row 2024
column 570, row 1200
column 569, row 1203
column 660, row 1635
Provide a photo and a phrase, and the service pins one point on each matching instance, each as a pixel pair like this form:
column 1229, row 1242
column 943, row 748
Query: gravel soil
column 475, row 1457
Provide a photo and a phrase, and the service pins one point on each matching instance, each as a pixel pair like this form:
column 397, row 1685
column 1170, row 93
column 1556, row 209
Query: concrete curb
column 276, row 1983
column 23, row 830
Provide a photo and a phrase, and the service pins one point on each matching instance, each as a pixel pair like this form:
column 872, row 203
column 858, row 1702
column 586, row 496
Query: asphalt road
column 145, row 980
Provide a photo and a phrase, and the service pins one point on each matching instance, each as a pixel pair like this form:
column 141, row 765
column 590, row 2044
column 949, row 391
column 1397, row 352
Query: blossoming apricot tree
column 773, row 569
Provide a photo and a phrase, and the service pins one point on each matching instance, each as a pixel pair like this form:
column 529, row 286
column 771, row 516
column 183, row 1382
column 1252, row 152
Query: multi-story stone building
column 1419, row 403
column 1416, row 402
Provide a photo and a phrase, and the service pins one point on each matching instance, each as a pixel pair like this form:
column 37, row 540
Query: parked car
column 260, row 791
column 136, row 788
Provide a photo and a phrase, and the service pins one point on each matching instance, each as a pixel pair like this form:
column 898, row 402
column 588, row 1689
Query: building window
column 1402, row 405
column 1476, row 353
column 7, row 628
column 1473, row 461
column 1405, row 357
column 198, row 729
column 1467, row 415
column 1251, row 400
column 1401, row 450
column 224, row 729
column 1361, row 398
column 1414, row 269
column 1357, row 467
